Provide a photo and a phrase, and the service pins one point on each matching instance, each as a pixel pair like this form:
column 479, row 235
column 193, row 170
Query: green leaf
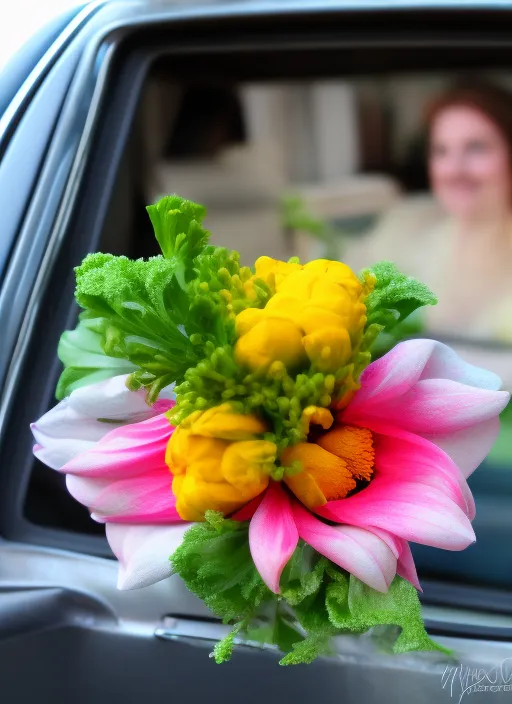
column 223, row 650
column 84, row 359
column 214, row 561
column 143, row 315
column 281, row 632
column 177, row 223
column 360, row 608
column 303, row 575
column 308, row 650
column 284, row 634
column 395, row 296
column 303, row 586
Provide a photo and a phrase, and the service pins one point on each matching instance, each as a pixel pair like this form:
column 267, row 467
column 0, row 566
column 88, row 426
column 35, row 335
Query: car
column 74, row 161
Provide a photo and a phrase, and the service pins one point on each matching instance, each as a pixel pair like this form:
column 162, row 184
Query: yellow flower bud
column 313, row 415
column 273, row 271
column 247, row 319
column 317, row 316
column 223, row 423
column 270, row 340
column 247, row 466
column 218, row 461
column 328, row 348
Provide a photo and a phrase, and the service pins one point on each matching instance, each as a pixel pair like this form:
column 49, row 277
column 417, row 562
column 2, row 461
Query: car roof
column 256, row 6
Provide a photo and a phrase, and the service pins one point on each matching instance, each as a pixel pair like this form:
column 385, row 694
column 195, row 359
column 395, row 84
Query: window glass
column 415, row 169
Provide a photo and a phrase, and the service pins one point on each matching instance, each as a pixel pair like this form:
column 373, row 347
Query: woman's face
column 469, row 164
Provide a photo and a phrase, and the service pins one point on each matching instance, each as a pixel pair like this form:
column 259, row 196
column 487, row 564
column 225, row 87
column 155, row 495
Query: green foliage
column 318, row 600
column 154, row 318
column 281, row 631
column 295, row 216
column 85, row 362
column 342, row 604
column 394, row 297
column 223, row 650
column 178, row 228
column 359, row 608
column 144, row 313
column 221, row 289
column 214, row 561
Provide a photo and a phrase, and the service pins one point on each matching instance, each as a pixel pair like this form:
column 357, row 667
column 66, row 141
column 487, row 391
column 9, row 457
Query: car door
column 70, row 183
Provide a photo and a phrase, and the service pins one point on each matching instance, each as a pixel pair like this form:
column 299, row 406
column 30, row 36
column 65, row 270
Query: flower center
column 333, row 463
column 354, row 446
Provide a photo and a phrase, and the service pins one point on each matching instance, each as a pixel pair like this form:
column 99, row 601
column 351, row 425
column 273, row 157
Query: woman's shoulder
column 400, row 232
column 410, row 216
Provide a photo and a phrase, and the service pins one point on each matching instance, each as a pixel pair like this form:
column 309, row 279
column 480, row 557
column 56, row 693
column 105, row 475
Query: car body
column 66, row 633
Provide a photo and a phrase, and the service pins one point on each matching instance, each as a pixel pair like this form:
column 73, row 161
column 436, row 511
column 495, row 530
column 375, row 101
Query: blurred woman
column 460, row 243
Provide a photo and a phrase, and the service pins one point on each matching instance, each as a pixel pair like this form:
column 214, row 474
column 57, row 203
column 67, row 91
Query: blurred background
column 23, row 19
column 416, row 169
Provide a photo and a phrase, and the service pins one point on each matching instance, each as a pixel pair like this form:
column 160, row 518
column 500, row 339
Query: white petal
column 143, row 551
column 62, row 434
column 56, row 452
column 72, row 426
column 168, row 393
column 111, row 399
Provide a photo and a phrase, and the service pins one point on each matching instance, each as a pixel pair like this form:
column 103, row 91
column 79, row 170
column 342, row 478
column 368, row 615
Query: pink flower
column 433, row 419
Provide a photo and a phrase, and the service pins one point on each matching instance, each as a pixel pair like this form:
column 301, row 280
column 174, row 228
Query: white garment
column 474, row 295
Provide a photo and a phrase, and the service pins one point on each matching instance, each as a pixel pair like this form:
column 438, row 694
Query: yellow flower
column 271, row 340
column 273, row 271
column 331, row 465
column 316, row 316
column 219, row 462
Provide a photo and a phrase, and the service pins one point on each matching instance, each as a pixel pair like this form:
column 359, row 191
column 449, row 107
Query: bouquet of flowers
column 228, row 425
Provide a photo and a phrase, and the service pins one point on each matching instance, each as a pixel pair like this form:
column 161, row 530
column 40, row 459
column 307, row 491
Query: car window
column 339, row 168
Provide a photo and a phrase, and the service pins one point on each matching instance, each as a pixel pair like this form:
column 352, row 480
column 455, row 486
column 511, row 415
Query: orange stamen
column 354, row 446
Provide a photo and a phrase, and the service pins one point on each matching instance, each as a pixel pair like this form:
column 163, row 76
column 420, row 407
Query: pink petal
column 470, row 446
column 143, row 552
column 75, row 424
column 248, row 511
column 402, row 456
column 142, row 499
column 126, row 451
column 438, row 406
column 408, row 510
column 393, row 543
column 424, row 386
column 124, row 476
column 360, row 552
column 272, row 535
column 406, row 567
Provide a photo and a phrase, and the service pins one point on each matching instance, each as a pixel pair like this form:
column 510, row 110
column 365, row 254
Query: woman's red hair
column 490, row 99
